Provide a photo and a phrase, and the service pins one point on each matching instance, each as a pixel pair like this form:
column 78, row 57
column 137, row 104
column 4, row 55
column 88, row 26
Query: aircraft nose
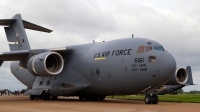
column 167, row 65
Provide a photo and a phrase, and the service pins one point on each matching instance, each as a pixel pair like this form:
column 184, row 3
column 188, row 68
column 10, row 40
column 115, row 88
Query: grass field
column 189, row 98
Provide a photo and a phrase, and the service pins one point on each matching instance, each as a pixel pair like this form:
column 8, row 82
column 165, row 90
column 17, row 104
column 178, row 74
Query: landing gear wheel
column 154, row 99
column 148, row 99
column 87, row 98
column 45, row 97
column 36, row 97
column 94, row 98
column 101, row 98
column 81, row 98
column 54, row 97
column 32, row 97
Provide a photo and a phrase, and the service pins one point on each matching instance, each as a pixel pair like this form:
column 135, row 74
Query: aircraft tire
column 54, row 97
column 101, row 98
column 32, row 97
column 148, row 99
column 154, row 99
column 95, row 98
column 91, row 98
column 36, row 97
column 48, row 97
column 81, row 98
column 87, row 98
column 43, row 97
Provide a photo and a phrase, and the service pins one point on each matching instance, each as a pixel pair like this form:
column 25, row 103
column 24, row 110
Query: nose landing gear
column 151, row 99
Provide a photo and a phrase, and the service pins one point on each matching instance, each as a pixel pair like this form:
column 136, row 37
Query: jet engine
column 45, row 64
column 180, row 77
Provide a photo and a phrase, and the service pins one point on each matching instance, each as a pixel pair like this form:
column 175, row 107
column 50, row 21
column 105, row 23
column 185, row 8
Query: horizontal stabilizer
column 27, row 25
column 1, row 63
column 32, row 26
column 7, row 22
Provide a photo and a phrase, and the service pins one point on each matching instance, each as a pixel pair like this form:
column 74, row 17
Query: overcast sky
column 173, row 23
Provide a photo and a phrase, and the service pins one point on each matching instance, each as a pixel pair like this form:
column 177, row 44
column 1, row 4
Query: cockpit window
column 148, row 48
column 140, row 49
column 160, row 48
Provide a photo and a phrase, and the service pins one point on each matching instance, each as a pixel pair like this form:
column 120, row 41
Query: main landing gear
column 36, row 97
column 151, row 99
column 44, row 96
column 91, row 98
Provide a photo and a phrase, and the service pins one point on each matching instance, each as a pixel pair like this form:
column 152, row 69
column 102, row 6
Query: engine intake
column 45, row 64
column 180, row 77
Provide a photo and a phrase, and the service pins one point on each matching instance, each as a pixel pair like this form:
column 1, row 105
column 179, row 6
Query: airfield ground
column 72, row 104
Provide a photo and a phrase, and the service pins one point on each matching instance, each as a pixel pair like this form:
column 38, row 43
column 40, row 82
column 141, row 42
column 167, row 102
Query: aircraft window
column 160, row 48
column 140, row 49
column 152, row 59
column 148, row 48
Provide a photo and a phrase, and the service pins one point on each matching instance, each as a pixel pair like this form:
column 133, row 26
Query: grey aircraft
column 90, row 71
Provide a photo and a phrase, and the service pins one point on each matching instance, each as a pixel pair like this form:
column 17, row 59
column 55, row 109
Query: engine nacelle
column 45, row 64
column 180, row 77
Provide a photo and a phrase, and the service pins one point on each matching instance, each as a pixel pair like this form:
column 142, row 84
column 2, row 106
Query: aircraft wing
column 14, row 55
column 23, row 54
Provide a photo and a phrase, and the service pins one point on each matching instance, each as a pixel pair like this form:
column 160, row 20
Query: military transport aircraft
column 90, row 71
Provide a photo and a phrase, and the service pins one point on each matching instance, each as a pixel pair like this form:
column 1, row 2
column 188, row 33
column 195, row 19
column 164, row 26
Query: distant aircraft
column 172, row 89
column 91, row 71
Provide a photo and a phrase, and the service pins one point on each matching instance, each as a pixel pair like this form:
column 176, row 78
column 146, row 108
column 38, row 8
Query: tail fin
column 190, row 79
column 16, row 34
